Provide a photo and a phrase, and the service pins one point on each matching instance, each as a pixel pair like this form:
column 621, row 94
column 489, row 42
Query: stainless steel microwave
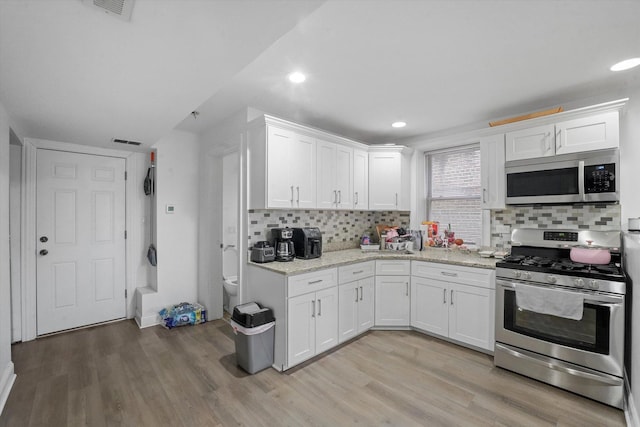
column 569, row 178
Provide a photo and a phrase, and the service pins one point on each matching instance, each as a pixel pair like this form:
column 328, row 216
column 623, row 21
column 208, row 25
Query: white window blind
column 454, row 191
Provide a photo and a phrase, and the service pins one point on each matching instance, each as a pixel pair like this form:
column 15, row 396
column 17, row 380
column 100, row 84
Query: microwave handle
column 591, row 298
column 581, row 180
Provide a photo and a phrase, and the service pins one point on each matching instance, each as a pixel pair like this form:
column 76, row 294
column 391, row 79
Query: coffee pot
column 283, row 243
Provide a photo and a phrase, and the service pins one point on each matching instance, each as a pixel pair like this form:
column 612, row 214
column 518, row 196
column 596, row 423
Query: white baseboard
column 631, row 412
column 147, row 321
column 6, row 382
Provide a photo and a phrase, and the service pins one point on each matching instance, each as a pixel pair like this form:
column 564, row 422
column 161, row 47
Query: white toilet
column 230, row 278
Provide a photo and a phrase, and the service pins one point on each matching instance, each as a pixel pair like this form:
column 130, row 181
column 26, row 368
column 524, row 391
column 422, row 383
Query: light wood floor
column 119, row 375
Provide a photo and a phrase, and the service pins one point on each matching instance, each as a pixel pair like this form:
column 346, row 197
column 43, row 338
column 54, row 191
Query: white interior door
column 80, row 225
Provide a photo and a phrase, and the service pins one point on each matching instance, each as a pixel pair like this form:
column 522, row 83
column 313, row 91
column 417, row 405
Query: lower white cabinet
column 312, row 325
column 444, row 303
column 393, row 301
column 356, row 308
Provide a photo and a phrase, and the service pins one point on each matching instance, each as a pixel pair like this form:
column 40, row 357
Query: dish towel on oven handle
column 553, row 301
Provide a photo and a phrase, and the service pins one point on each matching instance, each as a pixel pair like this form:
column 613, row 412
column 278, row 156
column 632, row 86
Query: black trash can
column 254, row 328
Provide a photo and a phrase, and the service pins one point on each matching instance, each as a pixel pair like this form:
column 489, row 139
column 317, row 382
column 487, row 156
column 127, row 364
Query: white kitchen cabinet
column 585, row 133
column 389, row 182
column 334, row 175
column 588, row 133
column 392, row 293
column 312, row 325
column 492, row 175
column 356, row 308
column 538, row 141
column 360, row 179
column 454, row 302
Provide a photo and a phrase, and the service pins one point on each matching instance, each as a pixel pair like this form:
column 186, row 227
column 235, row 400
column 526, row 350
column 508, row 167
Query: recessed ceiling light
column 398, row 124
column 626, row 64
column 297, row 77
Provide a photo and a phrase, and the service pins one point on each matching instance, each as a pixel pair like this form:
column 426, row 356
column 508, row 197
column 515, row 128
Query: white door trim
column 28, row 232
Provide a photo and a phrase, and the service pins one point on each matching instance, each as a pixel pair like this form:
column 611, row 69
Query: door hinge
column 125, row 234
column 125, row 175
column 125, row 294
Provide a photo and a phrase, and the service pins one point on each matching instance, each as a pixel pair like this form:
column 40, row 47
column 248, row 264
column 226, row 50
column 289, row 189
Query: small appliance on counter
column 283, row 244
column 263, row 252
column 307, row 242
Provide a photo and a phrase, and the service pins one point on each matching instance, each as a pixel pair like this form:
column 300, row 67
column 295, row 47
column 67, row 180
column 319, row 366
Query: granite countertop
column 352, row 256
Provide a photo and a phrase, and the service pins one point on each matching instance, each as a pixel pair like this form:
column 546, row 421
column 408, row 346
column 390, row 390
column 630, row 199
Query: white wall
column 7, row 375
column 177, row 233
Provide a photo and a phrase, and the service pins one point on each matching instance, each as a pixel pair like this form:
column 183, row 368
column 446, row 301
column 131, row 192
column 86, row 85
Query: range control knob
column 579, row 283
column 593, row 284
column 517, row 274
column 552, row 279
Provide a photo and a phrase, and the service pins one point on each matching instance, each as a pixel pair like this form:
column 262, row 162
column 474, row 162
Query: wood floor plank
column 119, row 375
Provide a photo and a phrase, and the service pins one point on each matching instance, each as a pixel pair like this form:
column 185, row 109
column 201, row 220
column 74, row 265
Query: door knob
column 44, row 239
column 43, row 252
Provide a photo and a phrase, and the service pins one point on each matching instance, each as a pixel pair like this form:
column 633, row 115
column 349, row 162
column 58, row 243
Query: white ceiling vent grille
column 119, row 8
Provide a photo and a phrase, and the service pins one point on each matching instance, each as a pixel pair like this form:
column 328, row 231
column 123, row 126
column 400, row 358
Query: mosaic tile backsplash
column 582, row 217
column 340, row 229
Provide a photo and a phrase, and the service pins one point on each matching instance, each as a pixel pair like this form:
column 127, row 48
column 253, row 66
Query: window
column 454, row 191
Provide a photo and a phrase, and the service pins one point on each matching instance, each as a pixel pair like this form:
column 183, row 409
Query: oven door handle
column 575, row 372
column 590, row 298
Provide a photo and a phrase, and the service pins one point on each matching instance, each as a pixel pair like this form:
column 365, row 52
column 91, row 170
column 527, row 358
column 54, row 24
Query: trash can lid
column 252, row 314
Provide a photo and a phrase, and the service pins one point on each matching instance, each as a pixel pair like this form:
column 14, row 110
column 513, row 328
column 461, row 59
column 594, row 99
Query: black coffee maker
column 282, row 241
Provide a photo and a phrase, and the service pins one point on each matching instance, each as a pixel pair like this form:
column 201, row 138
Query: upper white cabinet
column 335, row 176
column 492, row 177
column 389, row 183
column 586, row 133
column 360, row 179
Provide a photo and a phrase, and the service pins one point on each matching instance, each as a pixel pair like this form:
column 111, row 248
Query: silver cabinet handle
column 319, row 307
column 559, row 139
column 451, row 297
column 356, row 202
column 292, row 194
column 396, row 200
column 298, row 190
column 314, row 282
column 446, row 273
column 313, row 311
column 361, row 293
column 356, row 294
column 358, row 272
column 407, row 283
column 548, row 141
column 335, row 197
column 339, row 196
column 484, row 195
column 444, row 296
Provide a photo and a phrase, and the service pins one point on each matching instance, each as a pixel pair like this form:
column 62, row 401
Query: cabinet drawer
column 349, row 273
column 393, row 267
column 312, row 282
column 480, row 277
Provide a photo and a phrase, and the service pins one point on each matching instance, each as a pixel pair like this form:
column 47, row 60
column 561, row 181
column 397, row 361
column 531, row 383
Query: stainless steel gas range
column 571, row 332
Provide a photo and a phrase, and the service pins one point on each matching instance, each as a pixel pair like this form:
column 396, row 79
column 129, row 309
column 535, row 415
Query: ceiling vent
column 124, row 141
column 119, row 8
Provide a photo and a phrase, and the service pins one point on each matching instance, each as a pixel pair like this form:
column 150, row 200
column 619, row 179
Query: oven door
column 596, row 341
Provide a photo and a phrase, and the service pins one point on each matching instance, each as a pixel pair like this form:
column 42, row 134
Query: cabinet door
column 430, row 301
column 348, row 296
column 392, row 301
column 385, row 179
column 588, row 133
column 302, row 163
column 301, row 328
column 471, row 315
column 326, row 319
column 492, row 176
column 344, row 176
column 530, row 143
column 280, row 191
column 326, row 189
column 366, row 305
column 360, row 179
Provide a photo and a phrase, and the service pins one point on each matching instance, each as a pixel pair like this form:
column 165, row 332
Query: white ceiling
column 71, row 73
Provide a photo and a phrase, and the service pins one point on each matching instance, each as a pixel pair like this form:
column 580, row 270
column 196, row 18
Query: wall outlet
column 170, row 209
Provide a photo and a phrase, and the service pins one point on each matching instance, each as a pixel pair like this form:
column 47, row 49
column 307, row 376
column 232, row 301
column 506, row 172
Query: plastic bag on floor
column 183, row 314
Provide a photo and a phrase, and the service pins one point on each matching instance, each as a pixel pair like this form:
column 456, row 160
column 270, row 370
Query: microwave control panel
column 600, row 178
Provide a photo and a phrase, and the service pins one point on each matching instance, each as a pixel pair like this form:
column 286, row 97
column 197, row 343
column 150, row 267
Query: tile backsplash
column 340, row 229
column 588, row 216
